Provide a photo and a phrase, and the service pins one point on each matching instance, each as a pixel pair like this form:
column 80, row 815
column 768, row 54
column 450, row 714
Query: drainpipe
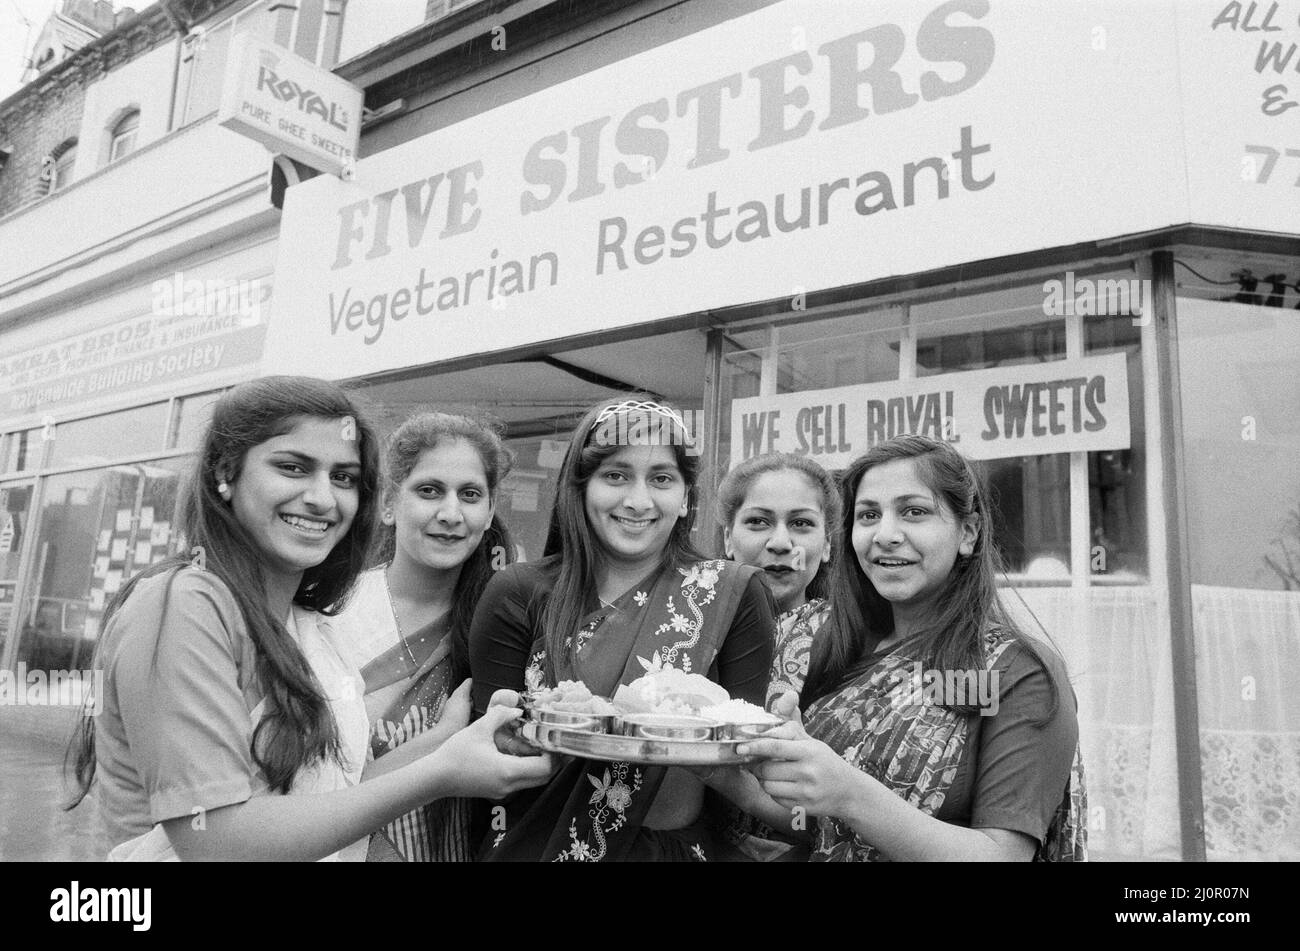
column 181, row 24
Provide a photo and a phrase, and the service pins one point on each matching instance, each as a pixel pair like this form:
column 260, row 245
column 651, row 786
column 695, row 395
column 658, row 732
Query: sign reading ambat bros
column 1062, row 406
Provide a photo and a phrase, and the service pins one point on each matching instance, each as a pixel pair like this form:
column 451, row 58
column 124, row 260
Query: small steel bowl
column 659, row 726
column 578, row 722
column 747, row 731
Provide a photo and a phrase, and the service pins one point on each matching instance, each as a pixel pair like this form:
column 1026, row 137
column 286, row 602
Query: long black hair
column 571, row 535
column 298, row 728
column 967, row 607
column 417, row 435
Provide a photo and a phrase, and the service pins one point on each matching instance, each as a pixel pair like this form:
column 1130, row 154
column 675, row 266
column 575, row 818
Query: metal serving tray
column 616, row 748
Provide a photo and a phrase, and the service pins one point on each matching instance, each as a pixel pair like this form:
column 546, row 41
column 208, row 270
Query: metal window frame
column 1178, row 574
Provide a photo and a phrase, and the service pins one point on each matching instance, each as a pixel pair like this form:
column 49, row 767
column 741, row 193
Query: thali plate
column 615, row 748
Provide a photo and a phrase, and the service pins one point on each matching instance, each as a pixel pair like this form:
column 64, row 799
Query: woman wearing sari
column 777, row 512
column 623, row 592
column 933, row 728
column 440, row 540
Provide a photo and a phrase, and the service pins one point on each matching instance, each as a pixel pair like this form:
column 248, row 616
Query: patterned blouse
column 795, row 631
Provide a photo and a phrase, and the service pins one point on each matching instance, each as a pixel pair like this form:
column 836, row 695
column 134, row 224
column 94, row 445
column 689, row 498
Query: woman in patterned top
column 933, row 728
column 778, row 512
column 621, row 591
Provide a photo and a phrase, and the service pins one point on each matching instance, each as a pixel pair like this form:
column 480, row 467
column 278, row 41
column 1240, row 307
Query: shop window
column 1031, row 494
column 539, row 403
column 193, row 413
column 96, row 529
column 123, row 136
column 15, row 522
column 99, row 439
column 1239, row 381
column 21, row 451
column 941, row 339
column 1117, row 502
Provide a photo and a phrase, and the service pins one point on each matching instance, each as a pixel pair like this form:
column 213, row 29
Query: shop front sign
column 800, row 147
column 1061, row 406
column 291, row 105
column 192, row 329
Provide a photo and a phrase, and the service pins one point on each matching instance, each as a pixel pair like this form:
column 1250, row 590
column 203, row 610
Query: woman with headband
column 622, row 591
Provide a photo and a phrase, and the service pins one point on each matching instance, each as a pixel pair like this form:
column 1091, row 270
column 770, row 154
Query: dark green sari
column 595, row 811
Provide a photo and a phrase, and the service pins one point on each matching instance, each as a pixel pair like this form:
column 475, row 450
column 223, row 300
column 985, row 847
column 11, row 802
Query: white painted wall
column 145, row 82
column 367, row 23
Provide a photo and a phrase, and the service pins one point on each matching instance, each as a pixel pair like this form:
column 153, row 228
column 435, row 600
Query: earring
column 223, row 488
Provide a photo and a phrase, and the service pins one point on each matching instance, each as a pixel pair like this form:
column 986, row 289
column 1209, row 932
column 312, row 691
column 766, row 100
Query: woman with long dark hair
column 623, row 591
column 933, row 728
column 408, row 621
column 227, row 696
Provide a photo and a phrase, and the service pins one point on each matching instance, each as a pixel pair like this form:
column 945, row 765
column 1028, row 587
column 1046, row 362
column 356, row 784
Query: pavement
column 33, row 827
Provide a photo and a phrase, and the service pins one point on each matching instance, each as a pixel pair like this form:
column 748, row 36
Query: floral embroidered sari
column 594, row 811
column 879, row 723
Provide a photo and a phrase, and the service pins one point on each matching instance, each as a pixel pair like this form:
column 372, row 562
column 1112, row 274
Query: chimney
column 105, row 18
column 96, row 14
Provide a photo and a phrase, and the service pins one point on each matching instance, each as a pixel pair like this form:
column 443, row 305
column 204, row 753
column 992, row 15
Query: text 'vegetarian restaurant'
column 820, row 225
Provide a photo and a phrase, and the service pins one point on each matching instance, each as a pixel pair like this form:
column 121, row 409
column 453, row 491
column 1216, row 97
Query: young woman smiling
column 622, row 590
column 777, row 513
column 892, row 768
column 233, row 725
column 408, row 621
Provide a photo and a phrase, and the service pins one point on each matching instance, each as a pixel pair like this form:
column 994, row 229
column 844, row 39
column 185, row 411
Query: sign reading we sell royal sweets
column 291, row 105
column 803, row 146
column 1061, row 406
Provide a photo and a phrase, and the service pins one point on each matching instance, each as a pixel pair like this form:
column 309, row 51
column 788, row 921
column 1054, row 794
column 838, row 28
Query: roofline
column 157, row 12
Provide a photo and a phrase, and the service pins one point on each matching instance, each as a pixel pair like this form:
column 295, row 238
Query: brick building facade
column 43, row 119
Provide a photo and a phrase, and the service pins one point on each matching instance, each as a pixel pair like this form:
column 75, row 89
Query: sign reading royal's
column 291, row 105
column 1060, row 406
column 801, row 147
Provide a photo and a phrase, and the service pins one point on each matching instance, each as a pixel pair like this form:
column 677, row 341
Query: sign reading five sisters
column 801, row 147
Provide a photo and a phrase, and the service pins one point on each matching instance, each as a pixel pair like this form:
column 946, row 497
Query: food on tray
column 671, row 691
column 739, row 711
column 666, row 717
column 572, row 696
column 668, row 727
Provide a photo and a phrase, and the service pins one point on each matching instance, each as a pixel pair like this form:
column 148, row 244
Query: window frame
column 1080, row 525
column 118, row 135
column 62, row 157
